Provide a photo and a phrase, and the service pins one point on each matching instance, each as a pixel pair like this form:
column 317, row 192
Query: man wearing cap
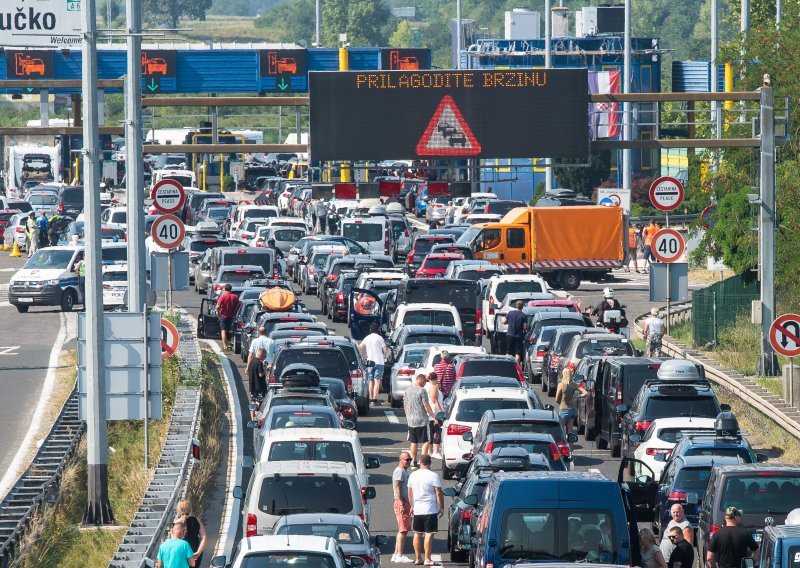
column 730, row 544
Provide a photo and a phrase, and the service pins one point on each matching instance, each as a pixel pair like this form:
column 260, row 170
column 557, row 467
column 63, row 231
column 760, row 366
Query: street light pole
column 317, row 22
column 548, row 63
column 767, row 364
column 458, row 34
column 98, row 507
column 627, row 130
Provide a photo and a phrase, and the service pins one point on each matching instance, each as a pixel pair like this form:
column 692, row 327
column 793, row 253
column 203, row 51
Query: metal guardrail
column 746, row 388
column 673, row 219
column 173, row 472
column 39, row 485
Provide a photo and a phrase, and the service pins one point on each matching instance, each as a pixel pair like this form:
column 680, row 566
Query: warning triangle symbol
column 448, row 134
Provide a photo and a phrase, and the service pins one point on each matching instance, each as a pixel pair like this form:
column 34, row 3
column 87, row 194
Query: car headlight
column 55, row 282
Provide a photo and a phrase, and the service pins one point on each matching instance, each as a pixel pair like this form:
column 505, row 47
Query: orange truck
column 564, row 244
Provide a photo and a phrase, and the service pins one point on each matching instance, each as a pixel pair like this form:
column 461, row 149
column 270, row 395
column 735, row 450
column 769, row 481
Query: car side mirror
column 248, row 462
column 349, row 425
column 219, row 562
column 549, row 407
column 572, row 437
column 369, row 492
column 761, row 458
column 468, row 456
column 372, row 463
column 381, row 540
column 467, row 436
column 450, row 492
column 205, row 266
column 471, row 500
column 238, row 493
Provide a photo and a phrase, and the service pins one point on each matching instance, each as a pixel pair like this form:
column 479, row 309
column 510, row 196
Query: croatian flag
column 604, row 118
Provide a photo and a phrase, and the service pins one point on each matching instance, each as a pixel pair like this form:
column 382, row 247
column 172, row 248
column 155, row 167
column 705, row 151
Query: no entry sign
column 668, row 245
column 784, row 335
column 168, row 231
column 168, row 196
column 169, row 338
column 666, row 193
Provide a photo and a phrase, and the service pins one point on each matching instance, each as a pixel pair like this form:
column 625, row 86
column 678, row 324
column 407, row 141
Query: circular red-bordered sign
column 666, row 193
column 168, row 196
column 169, row 338
column 784, row 335
column 668, row 245
column 168, row 231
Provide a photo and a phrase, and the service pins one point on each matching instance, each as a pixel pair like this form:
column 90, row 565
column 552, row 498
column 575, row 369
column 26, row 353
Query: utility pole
column 627, row 127
column 548, row 63
column 137, row 284
column 318, row 23
column 458, row 34
column 98, row 507
column 716, row 106
column 767, row 364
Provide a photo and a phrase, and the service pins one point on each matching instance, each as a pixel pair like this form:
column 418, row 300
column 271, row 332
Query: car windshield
column 344, row 534
column 672, row 406
column 558, row 534
column 438, row 263
column 115, row 276
column 218, row 213
column 72, row 196
column 527, row 286
column 205, row 244
column 472, row 410
column 522, row 426
column 478, row 274
column 301, row 419
column 671, row 435
column 743, row 453
column 530, row 446
column 497, row 367
column 329, row 362
column 312, row 451
column 288, row 235
column 441, row 339
column 414, row 357
column 692, row 478
column 363, row 232
column 604, row 347
column 300, row 400
column 322, row 258
column 46, row 199
column 287, row 560
column 49, row 259
column 445, row 292
column 429, row 317
column 424, row 246
column 239, row 276
column 260, row 213
column 309, row 493
column 768, row 492
column 546, row 335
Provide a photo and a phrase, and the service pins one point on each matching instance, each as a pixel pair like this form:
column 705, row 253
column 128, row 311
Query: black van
column 70, row 201
column 618, row 380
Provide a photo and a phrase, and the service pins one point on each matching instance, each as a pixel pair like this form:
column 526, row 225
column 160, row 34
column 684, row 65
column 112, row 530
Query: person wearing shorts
column 227, row 305
column 374, row 348
column 418, row 413
column 402, row 506
column 427, row 505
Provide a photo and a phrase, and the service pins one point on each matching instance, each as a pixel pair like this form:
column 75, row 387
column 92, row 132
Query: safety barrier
column 172, row 475
column 38, row 486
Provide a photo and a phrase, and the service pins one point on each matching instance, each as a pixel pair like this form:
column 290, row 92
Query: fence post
column 714, row 312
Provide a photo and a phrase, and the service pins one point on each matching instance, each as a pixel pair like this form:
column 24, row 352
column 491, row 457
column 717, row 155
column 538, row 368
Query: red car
column 435, row 264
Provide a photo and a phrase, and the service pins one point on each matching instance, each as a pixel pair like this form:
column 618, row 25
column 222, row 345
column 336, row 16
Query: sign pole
column 98, row 507
column 669, row 280
column 146, row 389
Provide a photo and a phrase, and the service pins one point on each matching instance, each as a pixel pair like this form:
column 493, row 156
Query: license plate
column 25, row 300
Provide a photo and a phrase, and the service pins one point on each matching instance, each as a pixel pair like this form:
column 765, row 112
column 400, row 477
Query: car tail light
column 348, row 383
column 554, row 452
column 571, row 366
column 540, row 353
column 362, row 517
column 655, row 452
column 260, row 243
column 642, row 425
column 714, row 528
column 405, row 372
column 519, row 374
column 491, row 305
column 252, row 525
column 332, row 277
column 344, row 409
column 619, row 395
column 488, row 448
column 554, row 359
column 457, row 429
column 410, row 258
column 677, row 496
column 340, row 298
column 311, row 270
column 218, row 287
column 478, row 320
column 563, row 448
column 60, row 208
column 240, row 324
column 366, row 558
column 466, row 516
column 19, row 230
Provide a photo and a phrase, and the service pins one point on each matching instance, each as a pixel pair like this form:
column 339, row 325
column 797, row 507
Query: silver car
column 202, row 272
column 408, row 363
column 349, row 531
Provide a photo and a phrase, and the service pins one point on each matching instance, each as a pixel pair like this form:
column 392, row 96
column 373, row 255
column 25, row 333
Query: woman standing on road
column 565, row 397
column 195, row 530
column 651, row 554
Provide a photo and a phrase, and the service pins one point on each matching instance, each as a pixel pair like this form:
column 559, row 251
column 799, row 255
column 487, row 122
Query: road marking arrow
column 283, row 85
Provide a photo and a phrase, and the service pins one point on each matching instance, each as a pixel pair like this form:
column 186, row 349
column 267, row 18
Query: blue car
column 422, row 201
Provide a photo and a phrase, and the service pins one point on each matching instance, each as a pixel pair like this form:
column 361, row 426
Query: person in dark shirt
column 730, row 544
column 515, row 320
column 683, row 555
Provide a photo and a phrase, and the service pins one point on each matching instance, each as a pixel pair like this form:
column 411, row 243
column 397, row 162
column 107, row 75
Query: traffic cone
column 15, row 252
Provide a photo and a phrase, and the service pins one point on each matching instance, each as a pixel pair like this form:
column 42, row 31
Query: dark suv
column 70, row 201
column 556, row 349
column 617, row 382
column 680, row 390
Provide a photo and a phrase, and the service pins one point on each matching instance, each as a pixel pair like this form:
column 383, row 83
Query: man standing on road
column 176, row 552
column 427, row 505
column 446, row 372
column 653, row 333
column 402, row 506
column 32, row 232
column 683, row 554
column 515, row 320
column 226, row 310
column 730, row 544
column 418, row 413
column 680, row 522
column 255, row 360
column 374, row 348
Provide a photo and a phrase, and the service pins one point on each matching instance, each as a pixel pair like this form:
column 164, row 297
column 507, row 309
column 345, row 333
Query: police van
column 50, row 277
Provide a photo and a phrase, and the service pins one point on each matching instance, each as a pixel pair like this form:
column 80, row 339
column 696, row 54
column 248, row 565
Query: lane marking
column 391, row 416
column 66, row 331
column 11, row 350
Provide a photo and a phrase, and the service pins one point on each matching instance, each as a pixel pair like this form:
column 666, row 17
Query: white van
column 373, row 233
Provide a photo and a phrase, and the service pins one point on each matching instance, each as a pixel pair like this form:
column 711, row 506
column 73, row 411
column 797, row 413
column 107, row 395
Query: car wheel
column 22, row 309
column 581, row 427
column 589, row 434
column 602, row 443
column 616, row 450
column 395, row 402
column 363, row 409
column 459, row 556
column 67, row 301
column 570, row 280
column 447, row 473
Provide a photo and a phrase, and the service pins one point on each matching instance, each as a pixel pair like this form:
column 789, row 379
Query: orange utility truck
column 563, row 244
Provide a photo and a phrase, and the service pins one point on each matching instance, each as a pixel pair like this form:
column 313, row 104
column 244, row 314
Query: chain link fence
column 718, row 306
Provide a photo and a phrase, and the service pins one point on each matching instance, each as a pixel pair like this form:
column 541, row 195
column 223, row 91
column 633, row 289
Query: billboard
column 381, row 115
column 43, row 23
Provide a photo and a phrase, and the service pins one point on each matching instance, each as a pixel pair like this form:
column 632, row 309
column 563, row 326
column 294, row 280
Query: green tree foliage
column 366, row 22
column 170, row 13
column 584, row 180
column 291, row 20
column 241, row 7
column 401, row 36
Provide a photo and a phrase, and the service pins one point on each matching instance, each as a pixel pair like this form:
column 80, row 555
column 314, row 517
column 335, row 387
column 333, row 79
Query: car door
column 364, row 310
column 207, row 322
column 642, row 488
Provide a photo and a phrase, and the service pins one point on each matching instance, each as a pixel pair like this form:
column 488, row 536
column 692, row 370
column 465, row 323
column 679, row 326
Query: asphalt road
column 383, row 431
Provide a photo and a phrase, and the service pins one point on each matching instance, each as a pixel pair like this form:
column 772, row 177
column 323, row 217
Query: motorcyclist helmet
column 608, row 293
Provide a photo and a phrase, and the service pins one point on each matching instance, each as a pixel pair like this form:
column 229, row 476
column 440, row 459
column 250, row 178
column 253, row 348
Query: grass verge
column 56, row 538
column 763, row 432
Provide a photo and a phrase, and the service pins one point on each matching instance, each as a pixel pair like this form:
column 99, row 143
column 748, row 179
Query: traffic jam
column 449, row 328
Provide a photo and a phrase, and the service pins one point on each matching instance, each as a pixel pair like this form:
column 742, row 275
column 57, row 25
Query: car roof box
column 679, row 371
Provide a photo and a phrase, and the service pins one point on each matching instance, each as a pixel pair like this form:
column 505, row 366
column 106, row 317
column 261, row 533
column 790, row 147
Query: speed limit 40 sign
column 668, row 245
column 168, row 231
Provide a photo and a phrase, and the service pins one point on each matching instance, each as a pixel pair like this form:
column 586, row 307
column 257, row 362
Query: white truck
column 37, row 164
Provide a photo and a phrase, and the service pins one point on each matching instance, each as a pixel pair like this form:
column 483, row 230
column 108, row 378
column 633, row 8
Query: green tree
column 584, row 180
column 401, row 36
column 171, row 12
column 366, row 22
column 291, row 20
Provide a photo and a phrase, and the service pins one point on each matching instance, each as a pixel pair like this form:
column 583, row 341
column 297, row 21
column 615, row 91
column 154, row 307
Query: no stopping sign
column 666, row 193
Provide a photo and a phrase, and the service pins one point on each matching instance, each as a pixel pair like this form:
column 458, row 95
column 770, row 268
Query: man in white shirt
column 374, row 349
column 654, row 328
column 427, row 505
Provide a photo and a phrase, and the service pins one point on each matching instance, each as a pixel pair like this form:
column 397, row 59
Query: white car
column 115, row 285
column 662, row 436
column 115, row 218
column 434, row 354
column 464, row 413
column 288, row 222
column 476, row 218
column 248, row 212
column 407, row 365
column 425, row 314
column 287, row 550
